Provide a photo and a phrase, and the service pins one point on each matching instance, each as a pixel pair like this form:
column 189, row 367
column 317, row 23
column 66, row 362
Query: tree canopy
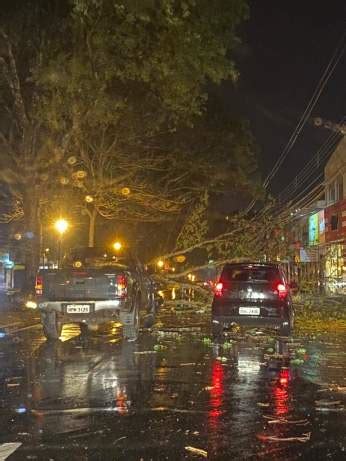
column 121, row 88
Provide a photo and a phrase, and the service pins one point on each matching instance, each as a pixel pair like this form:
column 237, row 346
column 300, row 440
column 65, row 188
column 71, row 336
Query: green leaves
column 170, row 48
column 195, row 227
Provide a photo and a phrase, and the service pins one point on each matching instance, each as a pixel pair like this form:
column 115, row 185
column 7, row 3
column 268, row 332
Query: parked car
column 252, row 294
column 95, row 286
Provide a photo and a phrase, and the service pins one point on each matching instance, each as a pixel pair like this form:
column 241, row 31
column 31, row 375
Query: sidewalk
column 11, row 316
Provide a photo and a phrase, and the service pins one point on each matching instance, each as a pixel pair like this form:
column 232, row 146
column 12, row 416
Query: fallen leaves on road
column 197, row 451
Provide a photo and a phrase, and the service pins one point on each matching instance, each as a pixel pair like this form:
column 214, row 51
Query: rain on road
column 172, row 395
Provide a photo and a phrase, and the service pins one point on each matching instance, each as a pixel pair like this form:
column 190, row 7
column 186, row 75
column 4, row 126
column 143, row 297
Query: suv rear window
column 250, row 273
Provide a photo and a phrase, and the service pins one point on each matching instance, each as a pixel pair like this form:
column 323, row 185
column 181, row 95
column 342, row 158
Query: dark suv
column 252, row 294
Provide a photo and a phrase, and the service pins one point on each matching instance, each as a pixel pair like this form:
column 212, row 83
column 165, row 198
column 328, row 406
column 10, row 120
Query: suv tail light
column 282, row 290
column 39, row 285
column 121, row 286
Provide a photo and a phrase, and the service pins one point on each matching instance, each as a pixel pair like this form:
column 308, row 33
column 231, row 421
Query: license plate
column 249, row 310
column 78, row 308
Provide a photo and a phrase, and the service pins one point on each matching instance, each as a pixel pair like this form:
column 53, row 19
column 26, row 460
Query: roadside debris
column 276, row 420
column 327, row 403
column 144, row 352
column 207, row 341
column 272, row 438
column 297, row 361
column 197, row 451
column 118, row 440
column 330, row 409
column 159, row 347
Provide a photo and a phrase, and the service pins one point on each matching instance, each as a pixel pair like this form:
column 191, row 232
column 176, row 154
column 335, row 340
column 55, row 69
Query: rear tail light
column 39, row 285
column 282, row 290
column 220, row 288
column 121, row 286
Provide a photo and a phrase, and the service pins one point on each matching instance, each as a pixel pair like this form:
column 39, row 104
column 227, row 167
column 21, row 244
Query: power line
column 303, row 203
column 337, row 55
column 297, row 199
column 317, row 161
column 322, row 152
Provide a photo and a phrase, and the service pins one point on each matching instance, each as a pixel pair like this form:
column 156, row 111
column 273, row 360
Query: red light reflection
column 216, row 393
column 281, row 393
column 121, row 401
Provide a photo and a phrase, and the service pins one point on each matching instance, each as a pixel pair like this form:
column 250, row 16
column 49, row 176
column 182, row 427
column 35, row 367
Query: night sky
column 286, row 47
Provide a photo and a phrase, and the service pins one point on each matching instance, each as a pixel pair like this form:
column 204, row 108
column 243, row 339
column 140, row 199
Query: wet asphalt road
column 170, row 393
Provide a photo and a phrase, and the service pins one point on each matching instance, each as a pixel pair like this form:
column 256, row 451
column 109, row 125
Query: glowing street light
column 160, row 264
column 61, row 226
column 117, row 246
column 89, row 198
column 125, row 191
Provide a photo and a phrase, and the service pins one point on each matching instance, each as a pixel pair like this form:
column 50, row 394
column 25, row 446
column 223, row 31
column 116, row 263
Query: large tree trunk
column 92, row 225
column 31, row 207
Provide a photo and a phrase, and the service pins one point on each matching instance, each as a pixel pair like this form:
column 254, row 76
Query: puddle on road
column 249, row 398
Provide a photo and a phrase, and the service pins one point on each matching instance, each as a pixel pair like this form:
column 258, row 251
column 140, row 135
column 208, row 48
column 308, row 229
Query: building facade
column 335, row 218
column 318, row 233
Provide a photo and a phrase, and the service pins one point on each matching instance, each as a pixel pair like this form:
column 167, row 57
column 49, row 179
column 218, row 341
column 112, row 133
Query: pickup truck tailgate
column 68, row 285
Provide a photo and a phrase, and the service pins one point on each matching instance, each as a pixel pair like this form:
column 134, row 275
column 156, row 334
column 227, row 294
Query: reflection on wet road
column 173, row 395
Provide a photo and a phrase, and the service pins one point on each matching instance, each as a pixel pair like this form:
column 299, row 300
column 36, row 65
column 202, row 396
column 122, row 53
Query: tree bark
column 92, row 225
column 31, row 208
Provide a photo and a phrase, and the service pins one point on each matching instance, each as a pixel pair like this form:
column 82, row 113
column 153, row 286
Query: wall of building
column 335, row 219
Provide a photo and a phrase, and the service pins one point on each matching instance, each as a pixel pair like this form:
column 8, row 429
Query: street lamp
column 160, row 264
column 117, row 246
column 61, row 226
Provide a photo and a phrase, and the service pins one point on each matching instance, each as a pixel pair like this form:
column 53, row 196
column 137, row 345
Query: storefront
column 335, row 262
